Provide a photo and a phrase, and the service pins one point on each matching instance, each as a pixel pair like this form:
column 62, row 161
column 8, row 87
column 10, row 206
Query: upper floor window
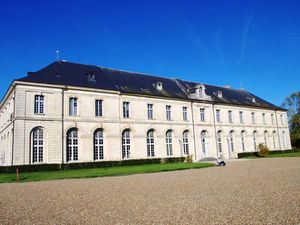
column 272, row 119
column 241, row 117
column 230, row 116
column 98, row 108
column 73, row 106
column 253, row 117
column 39, row 104
column 264, row 118
column 168, row 112
column 126, row 109
column 218, row 115
column 202, row 114
column 281, row 119
column 184, row 113
column 150, row 111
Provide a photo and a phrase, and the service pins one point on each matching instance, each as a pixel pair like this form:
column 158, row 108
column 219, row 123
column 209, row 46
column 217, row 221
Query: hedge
column 246, row 154
column 100, row 164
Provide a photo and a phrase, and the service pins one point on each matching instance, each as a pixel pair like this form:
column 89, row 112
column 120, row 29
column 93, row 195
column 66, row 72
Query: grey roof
column 90, row 76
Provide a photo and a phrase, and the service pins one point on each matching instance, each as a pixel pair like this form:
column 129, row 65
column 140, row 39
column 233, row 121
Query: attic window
column 219, row 94
column 253, row 99
column 91, row 77
column 159, row 86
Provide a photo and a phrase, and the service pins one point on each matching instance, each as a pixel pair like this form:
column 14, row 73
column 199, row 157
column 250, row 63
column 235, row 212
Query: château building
column 69, row 112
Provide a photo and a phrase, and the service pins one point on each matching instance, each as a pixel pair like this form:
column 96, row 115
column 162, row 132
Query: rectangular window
column 241, row 117
column 168, row 112
column 202, row 114
column 73, row 106
column 253, row 117
column 230, row 116
column 38, row 104
column 218, row 115
column 281, row 119
column 184, row 113
column 126, row 109
column 150, row 111
column 264, row 118
column 98, row 107
column 272, row 119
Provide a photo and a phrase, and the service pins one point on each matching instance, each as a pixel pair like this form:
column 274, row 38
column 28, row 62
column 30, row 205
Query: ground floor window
column 169, row 143
column 150, row 143
column 37, row 145
column 98, row 145
column 126, row 144
column 72, row 145
column 185, row 142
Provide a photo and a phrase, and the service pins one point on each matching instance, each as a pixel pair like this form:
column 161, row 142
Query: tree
column 292, row 104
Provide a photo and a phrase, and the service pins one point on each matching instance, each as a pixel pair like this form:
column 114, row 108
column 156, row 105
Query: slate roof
column 74, row 74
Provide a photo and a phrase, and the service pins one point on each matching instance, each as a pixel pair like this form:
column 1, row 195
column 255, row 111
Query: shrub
column 263, row 150
column 189, row 159
column 82, row 165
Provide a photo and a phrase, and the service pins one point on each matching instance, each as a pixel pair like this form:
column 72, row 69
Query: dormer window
column 253, row 99
column 159, row 86
column 219, row 94
column 91, row 77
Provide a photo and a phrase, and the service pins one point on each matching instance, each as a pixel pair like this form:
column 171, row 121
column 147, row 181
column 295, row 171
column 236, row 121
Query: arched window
column 265, row 138
column 169, row 143
column 185, row 142
column 219, row 141
column 72, row 145
column 231, row 144
column 98, row 145
column 274, row 139
column 126, row 144
column 204, row 143
column 150, row 143
column 37, row 145
column 283, row 140
column 254, row 139
column 243, row 140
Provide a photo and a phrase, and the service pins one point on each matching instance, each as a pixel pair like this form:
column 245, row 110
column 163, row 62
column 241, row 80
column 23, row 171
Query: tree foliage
column 292, row 104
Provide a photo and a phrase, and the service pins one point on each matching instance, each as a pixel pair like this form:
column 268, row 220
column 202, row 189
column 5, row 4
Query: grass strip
column 100, row 172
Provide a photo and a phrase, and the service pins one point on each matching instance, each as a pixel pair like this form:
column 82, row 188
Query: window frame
column 39, row 104
column 98, row 107
column 168, row 112
column 126, row 113
column 150, row 143
column 73, row 106
column 98, row 144
column 150, row 111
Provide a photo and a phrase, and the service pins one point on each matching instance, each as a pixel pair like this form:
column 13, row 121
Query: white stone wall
column 55, row 125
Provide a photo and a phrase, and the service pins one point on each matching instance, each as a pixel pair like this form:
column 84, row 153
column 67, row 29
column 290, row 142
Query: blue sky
column 254, row 44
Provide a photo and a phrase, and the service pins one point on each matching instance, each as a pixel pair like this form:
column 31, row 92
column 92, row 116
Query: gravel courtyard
column 260, row 191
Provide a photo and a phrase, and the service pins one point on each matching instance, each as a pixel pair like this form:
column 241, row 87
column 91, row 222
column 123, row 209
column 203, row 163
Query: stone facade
column 17, row 121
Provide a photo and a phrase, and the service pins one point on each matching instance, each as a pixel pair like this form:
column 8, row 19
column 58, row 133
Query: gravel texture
column 258, row 191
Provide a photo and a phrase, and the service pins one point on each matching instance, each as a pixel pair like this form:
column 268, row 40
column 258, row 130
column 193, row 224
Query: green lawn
column 100, row 172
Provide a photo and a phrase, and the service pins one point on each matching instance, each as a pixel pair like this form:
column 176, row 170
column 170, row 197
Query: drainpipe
column 193, row 123
column 62, row 123
column 278, row 130
column 120, row 132
column 215, row 129
column 13, row 130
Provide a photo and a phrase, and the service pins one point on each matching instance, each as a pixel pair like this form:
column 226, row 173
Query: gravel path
column 261, row 191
